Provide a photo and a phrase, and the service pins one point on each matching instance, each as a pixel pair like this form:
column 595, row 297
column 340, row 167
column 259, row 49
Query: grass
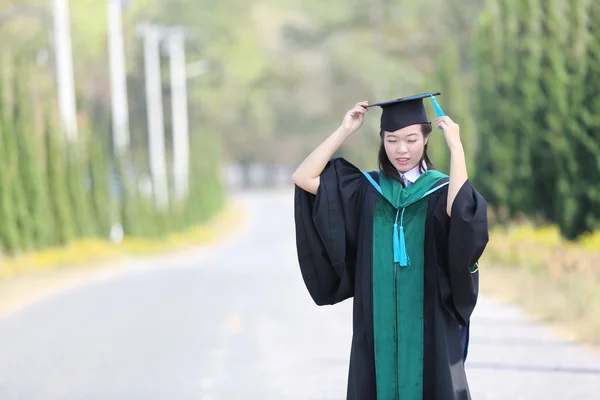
column 552, row 279
column 93, row 251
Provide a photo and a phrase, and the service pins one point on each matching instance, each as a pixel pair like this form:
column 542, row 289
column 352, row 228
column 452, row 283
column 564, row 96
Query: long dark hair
column 386, row 166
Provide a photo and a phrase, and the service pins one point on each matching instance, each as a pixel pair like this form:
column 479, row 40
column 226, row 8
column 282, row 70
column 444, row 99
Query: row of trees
column 537, row 108
column 519, row 77
column 281, row 73
column 53, row 191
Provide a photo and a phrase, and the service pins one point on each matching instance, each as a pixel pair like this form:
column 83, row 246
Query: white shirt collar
column 412, row 175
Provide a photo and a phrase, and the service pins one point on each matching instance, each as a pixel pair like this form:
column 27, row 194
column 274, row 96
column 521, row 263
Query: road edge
column 24, row 290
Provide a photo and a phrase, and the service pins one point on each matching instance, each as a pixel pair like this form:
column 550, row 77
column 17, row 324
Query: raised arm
column 458, row 165
column 307, row 176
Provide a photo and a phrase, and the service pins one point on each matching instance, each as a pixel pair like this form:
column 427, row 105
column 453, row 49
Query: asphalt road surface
column 234, row 321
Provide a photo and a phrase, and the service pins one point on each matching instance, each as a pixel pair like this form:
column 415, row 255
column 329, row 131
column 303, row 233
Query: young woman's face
column 405, row 147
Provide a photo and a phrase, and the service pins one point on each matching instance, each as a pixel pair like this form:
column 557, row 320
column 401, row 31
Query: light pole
column 174, row 40
column 118, row 80
column 179, row 106
column 154, row 110
column 64, row 68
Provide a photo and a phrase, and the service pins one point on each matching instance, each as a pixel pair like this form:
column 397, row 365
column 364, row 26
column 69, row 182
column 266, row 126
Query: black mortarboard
column 403, row 112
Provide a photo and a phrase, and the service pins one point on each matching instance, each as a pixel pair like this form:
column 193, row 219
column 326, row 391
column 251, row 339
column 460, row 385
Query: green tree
column 99, row 172
column 455, row 103
column 548, row 153
column 571, row 199
column 588, row 150
column 526, row 103
column 137, row 211
column 207, row 194
column 30, row 156
column 79, row 189
column 507, row 108
column 13, row 163
column 56, row 170
column 493, row 174
column 9, row 234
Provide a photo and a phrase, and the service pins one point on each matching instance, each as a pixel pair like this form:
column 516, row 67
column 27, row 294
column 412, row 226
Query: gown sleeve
column 327, row 232
column 461, row 239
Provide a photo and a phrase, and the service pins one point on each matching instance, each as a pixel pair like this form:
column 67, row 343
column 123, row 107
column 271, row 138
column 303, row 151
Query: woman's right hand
column 308, row 174
column 354, row 118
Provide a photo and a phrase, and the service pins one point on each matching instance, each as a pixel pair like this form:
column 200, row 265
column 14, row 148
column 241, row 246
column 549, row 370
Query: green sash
column 398, row 262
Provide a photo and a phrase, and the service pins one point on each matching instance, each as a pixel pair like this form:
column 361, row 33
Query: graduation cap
column 406, row 111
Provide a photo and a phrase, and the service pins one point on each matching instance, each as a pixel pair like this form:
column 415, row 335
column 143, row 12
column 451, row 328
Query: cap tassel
column 404, row 261
column 436, row 106
column 438, row 109
column 399, row 242
column 396, row 245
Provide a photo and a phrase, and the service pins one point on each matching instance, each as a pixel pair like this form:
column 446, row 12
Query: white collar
column 413, row 174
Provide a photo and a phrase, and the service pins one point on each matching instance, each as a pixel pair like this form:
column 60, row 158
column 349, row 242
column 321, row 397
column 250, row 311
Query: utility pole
column 179, row 106
column 154, row 110
column 118, row 81
column 64, row 68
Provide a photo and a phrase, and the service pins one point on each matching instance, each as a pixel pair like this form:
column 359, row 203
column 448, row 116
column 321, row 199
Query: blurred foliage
column 281, row 74
column 56, row 192
column 56, row 175
column 538, row 74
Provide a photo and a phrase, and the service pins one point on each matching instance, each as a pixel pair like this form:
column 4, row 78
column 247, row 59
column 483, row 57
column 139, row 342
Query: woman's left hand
column 458, row 165
column 451, row 131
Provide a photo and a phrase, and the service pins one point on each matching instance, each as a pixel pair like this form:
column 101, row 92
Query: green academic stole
column 399, row 225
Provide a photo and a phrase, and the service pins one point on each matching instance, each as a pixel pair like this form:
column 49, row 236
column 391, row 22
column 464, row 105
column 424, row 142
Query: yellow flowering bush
column 90, row 251
column 553, row 278
column 526, row 246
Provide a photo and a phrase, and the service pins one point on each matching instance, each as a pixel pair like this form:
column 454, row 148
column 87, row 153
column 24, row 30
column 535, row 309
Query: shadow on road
column 532, row 368
column 525, row 342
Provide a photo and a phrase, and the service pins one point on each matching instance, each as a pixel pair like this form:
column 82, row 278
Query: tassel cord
column 399, row 242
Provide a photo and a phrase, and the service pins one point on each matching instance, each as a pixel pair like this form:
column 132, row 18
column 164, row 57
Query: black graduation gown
column 334, row 237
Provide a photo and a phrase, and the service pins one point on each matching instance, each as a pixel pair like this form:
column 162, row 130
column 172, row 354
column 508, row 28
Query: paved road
column 235, row 322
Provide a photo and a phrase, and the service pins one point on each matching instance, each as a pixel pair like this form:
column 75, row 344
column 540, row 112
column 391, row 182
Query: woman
column 404, row 242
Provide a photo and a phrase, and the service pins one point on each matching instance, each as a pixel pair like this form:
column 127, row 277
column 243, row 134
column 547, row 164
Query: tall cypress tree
column 12, row 161
column 526, row 103
column 571, row 192
column 550, row 149
column 455, row 103
column 491, row 177
column 588, row 153
column 206, row 188
column 99, row 167
column 29, row 158
column 56, row 171
column 78, row 189
column 508, row 104
column 484, row 91
column 9, row 234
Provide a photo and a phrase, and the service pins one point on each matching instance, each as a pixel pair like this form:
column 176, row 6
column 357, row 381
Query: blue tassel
column 438, row 109
column 396, row 245
column 436, row 106
column 402, row 249
column 400, row 256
